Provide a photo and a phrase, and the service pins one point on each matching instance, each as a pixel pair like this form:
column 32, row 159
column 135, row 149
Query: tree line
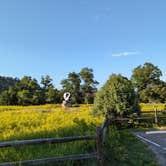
column 28, row 91
column 145, row 80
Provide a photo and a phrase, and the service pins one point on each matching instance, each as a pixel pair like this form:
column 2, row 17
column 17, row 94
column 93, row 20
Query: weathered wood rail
column 155, row 118
column 51, row 160
column 99, row 138
column 45, row 141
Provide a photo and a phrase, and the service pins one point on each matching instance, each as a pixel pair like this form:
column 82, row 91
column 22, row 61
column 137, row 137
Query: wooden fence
column 99, row 138
column 154, row 117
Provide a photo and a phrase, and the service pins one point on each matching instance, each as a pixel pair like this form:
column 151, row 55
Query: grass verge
column 122, row 148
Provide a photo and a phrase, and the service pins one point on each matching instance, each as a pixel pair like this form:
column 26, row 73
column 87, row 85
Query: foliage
column 117, row 96
column 6, row 82
column 27, row 91
column 72, row 85
column 146, row 80
column 89, row 85
column 145, row 75
column 82, row 86
column 46, row 82
column 50, row 94
column 154, row 93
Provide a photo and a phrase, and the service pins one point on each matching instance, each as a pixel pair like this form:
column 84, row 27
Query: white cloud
column 126, row 53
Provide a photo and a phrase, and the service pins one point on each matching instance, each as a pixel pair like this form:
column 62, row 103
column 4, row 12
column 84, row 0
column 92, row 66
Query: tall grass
column 51, row 121
column 42, row 122
column 151, row 106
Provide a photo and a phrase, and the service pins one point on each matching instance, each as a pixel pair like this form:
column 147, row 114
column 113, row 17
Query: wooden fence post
column 100, row 155
column 155, row 117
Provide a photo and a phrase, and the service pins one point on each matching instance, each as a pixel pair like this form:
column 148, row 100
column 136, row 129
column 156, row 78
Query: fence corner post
column 100, row 155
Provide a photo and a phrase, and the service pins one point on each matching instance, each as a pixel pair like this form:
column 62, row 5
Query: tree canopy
column 146, row 75
column 89, row 85
column 146, row 80
column 118, row 96
column 72, row 85
column 6, row 82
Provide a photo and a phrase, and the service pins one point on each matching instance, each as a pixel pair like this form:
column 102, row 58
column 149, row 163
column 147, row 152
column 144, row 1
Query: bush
column 117, row 96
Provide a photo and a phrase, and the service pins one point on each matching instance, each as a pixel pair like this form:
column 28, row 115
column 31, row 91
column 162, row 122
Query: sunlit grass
column 152, row 107
column 49, row 121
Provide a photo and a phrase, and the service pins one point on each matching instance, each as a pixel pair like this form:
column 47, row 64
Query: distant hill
column 6, row 82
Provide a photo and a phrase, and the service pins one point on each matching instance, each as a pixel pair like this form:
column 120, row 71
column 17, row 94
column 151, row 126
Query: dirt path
column 157, row 142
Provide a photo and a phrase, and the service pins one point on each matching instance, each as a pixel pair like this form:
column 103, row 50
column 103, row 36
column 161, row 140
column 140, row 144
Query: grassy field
column 17, row 123
column 152, row 106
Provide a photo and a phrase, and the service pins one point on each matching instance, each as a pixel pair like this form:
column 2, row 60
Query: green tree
column 7, row 82
column 29, row 91
column 72, row 85
column 154, row 93
column 9, row 97
column 117, row 96
column 89, row 85
column 146, row 79
column 51, row 94
column 46, row 81
column 146, row 75
column 38, row 97
column 4, row 98
column 24, row 97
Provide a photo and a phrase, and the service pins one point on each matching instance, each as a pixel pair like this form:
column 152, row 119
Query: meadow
column 152, row 106
column 51, row 121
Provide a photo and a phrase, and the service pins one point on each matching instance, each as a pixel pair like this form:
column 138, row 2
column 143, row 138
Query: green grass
column 17, row 123
column 124, row 149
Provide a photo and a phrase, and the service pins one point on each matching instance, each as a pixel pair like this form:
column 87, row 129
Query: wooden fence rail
column 99, row 138
column 49, row 141
column 155, row 117
column 45, row 141
column 51, row 160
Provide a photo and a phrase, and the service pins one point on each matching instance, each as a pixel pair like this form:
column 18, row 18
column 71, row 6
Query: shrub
column 117, row 96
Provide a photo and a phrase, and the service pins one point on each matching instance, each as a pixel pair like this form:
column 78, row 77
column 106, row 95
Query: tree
column 146, row 75
column 51, row 94
column 154, row 93
column 4, row 98
column 6, row 82
column 9, row 97
column 46, row 82
column 72, row 85
column 146, row 79
column 89, row 85
column 29, row 91
column 117, row 96
column 38, row 97
column 24, row 97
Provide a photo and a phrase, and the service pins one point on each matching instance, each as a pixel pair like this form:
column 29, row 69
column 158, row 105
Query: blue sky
column 55, row 37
